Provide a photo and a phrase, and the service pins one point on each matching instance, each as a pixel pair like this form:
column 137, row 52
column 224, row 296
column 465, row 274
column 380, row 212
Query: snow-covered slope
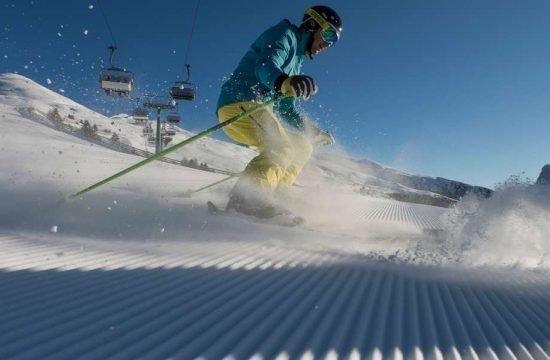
column 332, row 168
column 214, row 300
column 135, row 270
column 27, row 97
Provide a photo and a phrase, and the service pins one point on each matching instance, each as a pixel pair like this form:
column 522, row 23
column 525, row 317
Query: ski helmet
column 319, row 17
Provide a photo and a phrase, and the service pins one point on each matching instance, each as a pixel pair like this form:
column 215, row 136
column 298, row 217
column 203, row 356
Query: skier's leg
column 253, row 191
column 264, row 131
column 243, row 131
column 302, row 150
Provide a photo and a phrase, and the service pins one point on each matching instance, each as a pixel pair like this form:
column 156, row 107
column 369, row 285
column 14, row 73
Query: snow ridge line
column 418, row 215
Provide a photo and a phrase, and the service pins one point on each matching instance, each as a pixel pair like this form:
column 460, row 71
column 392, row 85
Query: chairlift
column 167, row 140
column 147, row 130
column 173, row 119
column 183, row 90
column 140, row 114
column 115, row 79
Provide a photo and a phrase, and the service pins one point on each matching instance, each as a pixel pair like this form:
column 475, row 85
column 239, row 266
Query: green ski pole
column 191, row 192
column 175, row 147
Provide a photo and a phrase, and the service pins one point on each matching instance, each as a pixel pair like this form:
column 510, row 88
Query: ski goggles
column 329, row 32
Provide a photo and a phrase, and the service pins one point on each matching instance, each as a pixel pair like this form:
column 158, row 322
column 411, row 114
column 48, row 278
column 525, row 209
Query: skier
column 272, row 67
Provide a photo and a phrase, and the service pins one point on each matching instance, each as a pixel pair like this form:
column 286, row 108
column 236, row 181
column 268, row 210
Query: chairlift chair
column 115, row 79
column 167, row 140
column 173, row 119
column 183, row 90
column 140, row 114
column 147, row 130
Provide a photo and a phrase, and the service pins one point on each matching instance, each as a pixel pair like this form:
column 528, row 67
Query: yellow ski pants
column 283, row 152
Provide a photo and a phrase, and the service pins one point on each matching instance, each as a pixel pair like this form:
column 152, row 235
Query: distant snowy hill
column 27, row 98
column 328, row 169
column 445, row 187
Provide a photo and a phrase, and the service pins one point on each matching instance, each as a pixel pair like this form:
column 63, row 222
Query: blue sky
column 458, row 89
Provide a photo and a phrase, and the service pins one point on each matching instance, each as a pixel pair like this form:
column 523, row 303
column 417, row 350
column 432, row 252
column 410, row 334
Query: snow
column 135, row 270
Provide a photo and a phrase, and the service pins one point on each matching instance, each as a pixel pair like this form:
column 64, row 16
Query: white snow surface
column 134, row 269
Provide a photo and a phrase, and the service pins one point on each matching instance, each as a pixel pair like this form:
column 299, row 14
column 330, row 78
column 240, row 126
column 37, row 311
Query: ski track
column 247, row 300
column 417, row 215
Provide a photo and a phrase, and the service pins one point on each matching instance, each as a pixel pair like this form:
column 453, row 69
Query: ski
column 279, row 220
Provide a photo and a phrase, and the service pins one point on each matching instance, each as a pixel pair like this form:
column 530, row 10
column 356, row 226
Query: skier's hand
column 299, row 86
column 322, row 138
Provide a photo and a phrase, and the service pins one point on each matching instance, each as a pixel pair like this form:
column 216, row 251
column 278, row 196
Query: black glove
column 299, row 86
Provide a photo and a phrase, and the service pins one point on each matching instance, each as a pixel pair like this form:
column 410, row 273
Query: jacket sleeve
column 287, row 109
column 279, row 45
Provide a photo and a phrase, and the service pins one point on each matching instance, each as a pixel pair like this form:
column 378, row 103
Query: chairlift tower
column 160, row 103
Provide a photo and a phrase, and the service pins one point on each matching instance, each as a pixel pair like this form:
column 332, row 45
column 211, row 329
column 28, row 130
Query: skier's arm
column 287, row 110
column 268, row 71
column 268, row 66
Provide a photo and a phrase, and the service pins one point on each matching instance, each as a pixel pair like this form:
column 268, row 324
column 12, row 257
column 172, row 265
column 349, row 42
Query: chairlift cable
column 188, row 51
column 114, row 79
column 106, row 22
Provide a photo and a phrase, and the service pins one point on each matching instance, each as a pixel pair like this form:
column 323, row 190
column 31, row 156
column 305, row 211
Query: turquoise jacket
column 281, row 49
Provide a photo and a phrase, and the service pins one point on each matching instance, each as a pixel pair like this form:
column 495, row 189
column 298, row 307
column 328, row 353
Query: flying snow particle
column 49, row 81
column 85, row 32
column 26, row 66
column 90, row 7
column 5, row 56
column 162, row 230
column 59, row 34
column 61, row 91
column 54, row 229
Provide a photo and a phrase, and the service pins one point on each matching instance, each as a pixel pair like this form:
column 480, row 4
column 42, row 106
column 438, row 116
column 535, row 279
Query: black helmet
column 329, row 15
